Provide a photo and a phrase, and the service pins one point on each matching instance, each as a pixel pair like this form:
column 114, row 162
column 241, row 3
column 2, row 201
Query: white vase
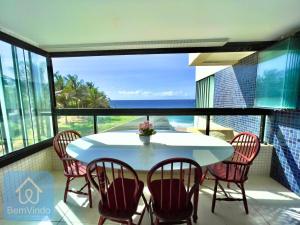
column 145, row 139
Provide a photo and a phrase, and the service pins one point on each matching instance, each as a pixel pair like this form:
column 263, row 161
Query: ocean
column 177, row 103
column 175, row 121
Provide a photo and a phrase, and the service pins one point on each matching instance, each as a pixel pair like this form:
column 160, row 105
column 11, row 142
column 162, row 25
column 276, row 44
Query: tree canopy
column 72, row 92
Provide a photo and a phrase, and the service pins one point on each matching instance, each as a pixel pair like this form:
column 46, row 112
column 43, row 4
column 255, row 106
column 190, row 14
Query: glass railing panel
column 173, row 123
column 226, row 127
column 118, row 123
column 83, row 124
column 160, row 123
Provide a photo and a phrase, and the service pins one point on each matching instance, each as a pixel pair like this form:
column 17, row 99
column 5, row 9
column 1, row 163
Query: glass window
column 24, row 97
column 278, row 75
column 205, row 92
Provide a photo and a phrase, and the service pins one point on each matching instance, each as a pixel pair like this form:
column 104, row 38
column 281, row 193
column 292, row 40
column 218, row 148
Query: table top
column 126, row 146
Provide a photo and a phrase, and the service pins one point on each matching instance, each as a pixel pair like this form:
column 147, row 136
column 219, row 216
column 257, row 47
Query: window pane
column 278, row 75
column 205, row 92
column 3, row 148
column 24, row 96
column 168, row 123
column 118, row 123
column 226, row 127
column 41, row 97
column 83, row 124
column 10, row 97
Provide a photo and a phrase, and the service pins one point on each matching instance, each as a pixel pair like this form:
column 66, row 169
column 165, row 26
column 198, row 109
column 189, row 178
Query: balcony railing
column 148, row 112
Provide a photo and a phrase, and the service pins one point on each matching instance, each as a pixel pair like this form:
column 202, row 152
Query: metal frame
column 208, row 112
column 162, row 111
column 22, row 44
column 24, row 152
column 52, row 93
column 229, row 47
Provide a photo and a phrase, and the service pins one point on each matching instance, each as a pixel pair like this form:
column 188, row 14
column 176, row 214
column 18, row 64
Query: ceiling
column 217, row 58
column 77, row 24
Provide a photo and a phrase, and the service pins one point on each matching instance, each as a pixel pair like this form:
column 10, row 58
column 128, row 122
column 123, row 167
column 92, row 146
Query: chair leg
column 214, row 196
column 203, row 176
column 244, row 198
column 196, row 197
column 145, row 201
column 156, row 221
column 89, row 192
column 130, row 222
column 189, row 221
column 101, row 220
column 228, row 184
column 66, row 189
column 150, row 212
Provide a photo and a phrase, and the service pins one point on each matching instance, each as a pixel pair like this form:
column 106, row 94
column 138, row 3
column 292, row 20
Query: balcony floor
column 269, row 203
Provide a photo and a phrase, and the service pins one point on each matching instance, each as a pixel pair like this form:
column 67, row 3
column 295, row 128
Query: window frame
column 22, row 153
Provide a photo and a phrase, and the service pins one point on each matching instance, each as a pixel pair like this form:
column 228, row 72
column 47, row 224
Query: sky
column 134, row 77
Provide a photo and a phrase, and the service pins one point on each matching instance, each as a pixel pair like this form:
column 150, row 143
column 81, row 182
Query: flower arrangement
column 146, row 129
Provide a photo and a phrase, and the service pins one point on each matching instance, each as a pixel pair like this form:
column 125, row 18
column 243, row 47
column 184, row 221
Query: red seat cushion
column 172, row 202
column 114, row 207
column 219, row 171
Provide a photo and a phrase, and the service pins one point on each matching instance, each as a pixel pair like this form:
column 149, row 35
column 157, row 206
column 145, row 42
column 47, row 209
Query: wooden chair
column 171, row 192
column 72, row 168
column 119, row 188
column 246, row 147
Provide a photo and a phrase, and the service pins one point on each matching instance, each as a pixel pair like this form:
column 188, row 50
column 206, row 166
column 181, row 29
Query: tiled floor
column 269, row 203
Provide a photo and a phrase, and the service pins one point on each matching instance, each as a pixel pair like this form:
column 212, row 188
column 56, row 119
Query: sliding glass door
column 24, row 98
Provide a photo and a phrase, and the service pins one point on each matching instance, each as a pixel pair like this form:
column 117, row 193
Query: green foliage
column 74, row 93
column 147, row 132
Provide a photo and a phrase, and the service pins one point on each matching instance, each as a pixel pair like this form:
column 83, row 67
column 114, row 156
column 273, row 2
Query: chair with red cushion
column 72, row 168
column 119, row 188
column 172, row 183
column 246, row 147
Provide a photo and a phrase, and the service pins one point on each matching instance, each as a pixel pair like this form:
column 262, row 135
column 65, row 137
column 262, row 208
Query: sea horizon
column 154, row 103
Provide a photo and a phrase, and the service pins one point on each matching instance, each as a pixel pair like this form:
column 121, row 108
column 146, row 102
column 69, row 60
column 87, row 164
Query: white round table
column 126, row 146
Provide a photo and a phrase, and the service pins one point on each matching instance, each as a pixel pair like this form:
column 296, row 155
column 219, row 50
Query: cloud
column 167, row 93
column 136, row 92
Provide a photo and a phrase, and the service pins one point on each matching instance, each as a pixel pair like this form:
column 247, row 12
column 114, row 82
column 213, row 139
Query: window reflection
column 24, row 97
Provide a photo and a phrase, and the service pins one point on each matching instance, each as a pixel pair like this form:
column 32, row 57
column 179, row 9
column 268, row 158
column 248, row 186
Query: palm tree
column 59, row 81
column 72, row 92
column 96, row 99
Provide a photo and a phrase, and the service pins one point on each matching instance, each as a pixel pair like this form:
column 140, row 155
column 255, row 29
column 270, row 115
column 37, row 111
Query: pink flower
column 146, row 128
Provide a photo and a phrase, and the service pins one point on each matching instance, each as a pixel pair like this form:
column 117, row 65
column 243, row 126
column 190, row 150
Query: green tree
column 71, row 92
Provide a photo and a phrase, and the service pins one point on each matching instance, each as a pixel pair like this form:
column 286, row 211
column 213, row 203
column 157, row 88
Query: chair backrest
column 246, row 147
column 110, row 178
column 62, row 139
column 173, row 188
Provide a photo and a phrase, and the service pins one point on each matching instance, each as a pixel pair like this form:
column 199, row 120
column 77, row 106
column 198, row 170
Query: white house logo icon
column 29, row 192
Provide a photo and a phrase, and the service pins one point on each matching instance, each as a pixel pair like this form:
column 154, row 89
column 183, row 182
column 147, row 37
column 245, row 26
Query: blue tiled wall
column 235, row 88
column 235, row 85
column 284, row 134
